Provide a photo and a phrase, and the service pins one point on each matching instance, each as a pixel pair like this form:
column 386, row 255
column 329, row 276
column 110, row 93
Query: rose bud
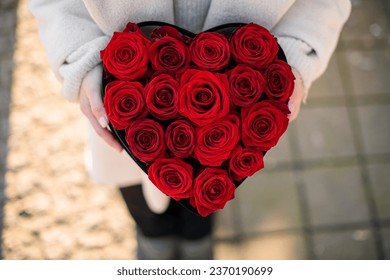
column 180, row 138
column 245, row 162
column 164, row 31
column 203, row 96
column 253, row 45
column 212, row 189
column 162, row 97
column 172, row 176
column 280, row 81
column 126, row 55
column 263, row 124
column 124, row 102
column 146, row 140
column 169, row 54
column 246, row 85
column 131, row 27
column 210, row 51
column 216, row 141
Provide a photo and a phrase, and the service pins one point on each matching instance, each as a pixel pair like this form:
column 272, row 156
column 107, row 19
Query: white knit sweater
column 74, row 31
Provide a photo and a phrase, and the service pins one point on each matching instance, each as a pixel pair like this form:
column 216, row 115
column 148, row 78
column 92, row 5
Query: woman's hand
column 296, row 98
column 91, row 106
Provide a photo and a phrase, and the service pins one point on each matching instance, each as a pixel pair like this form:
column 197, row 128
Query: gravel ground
column 52, row 210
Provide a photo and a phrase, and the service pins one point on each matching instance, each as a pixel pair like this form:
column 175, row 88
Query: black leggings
column 176, row 220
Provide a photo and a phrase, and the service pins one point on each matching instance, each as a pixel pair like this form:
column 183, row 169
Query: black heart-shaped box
column 147, row 27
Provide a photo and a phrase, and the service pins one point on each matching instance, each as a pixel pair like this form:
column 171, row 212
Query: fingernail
column 103, row 122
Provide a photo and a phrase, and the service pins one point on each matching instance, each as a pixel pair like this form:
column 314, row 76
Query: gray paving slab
column 324, row 133
column 375, row 127
column 269, row 201
column 280, row 246
column 227, row 251
column 335, row 196
column 226, row 219
column 329, row 84
column 380, row 183
column 369, row 71
column 280, row 154
column 355, row 244
column 385, row 232
column 8, row 4
column 367, row 25
column 274, row 247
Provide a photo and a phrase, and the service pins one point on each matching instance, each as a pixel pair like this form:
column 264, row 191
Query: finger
column 294, row 110
column 100, row 131
column 97, row 108
column 294, row 106
column 106, row 135
column 92, row 87
column 296, row 99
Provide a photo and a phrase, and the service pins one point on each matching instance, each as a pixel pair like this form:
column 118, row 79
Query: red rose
column 263, row 124
column 245, row 162
column 253, row 45
column 180, row 137
column 124, row 102
column 169, row 54
column 210, row 51
column 216, row 141
column 246, row 85
column 146, row 139
column 212, row 189
column 134, row 28
column 164, row 31
column 161, row 95
column 203, row 96
column 280, row 81
column 172, row 176
column 170, row 31
column 126, row 55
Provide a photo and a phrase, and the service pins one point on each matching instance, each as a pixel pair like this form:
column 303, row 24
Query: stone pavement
column 52, row 210
column 7, row 39
column 324, row 193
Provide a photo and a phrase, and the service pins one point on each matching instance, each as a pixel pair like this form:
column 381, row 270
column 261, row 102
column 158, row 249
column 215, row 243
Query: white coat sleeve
column 72, row 41
column 308, row 34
